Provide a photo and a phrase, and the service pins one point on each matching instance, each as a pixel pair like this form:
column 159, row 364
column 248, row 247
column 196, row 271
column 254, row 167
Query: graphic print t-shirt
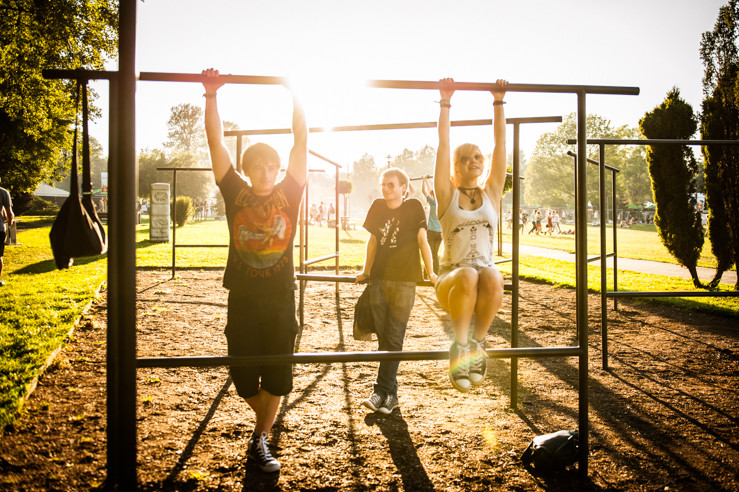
column 262, row 231
column 397, row 257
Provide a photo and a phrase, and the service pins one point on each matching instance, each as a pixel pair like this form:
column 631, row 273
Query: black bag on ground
column 553, row 452
column 364, row 325
column 77, row 231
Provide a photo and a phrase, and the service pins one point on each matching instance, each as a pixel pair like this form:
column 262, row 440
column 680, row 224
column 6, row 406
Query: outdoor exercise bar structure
column 121, row 356
column 615, row 294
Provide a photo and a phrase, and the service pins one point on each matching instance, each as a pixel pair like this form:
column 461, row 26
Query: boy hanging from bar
column 262, row 217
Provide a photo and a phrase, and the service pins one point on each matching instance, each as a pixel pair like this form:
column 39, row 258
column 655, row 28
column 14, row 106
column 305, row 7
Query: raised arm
column 219, row 156
column 443, row 187
column 298, row 163
column 496, row 180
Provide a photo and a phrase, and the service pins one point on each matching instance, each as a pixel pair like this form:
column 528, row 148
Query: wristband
column 209, row 95
column 445, row 103
column 498, row 103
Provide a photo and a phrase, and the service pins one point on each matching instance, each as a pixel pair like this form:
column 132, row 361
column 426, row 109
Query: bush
column 183, row 210
column 39, row 206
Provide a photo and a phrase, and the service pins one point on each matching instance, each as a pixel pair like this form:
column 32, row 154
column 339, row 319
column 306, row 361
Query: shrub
column 183, row 210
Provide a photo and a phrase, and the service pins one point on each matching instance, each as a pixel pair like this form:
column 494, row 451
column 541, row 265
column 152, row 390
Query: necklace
column 474, row 193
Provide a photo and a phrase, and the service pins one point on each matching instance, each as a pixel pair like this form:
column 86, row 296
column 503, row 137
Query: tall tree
column 550, row 173
column 719, row 121
column 673, row 170
column 36, row 113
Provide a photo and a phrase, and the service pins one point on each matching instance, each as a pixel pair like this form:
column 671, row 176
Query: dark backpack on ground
column 553, row 452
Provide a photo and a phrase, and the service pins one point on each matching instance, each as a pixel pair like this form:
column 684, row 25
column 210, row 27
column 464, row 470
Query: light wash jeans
column 391, row 303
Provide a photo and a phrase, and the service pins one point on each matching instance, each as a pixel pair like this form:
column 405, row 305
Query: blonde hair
column 463, row 150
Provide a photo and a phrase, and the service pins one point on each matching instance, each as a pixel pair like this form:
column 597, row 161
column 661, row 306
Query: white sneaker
column 374, row 402
column 459, row 367
column 478, row 362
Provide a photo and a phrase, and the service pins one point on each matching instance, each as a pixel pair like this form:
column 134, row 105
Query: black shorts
column 261, row 325
column 3, row 235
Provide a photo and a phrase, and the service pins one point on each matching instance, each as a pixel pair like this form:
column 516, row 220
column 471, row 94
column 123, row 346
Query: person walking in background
column 535, row 222
column 434, row 230
column 555, row 222
column 6, row 209
column 262, row 217
column 469, row 283
column 397, row 228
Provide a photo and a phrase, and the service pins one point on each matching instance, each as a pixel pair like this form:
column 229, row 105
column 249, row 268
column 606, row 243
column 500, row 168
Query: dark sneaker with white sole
column 259, row 451
column 374, row 402
column 390, row 404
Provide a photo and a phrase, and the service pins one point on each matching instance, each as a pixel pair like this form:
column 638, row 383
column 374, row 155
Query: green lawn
column 40, row 304
column 640, row 242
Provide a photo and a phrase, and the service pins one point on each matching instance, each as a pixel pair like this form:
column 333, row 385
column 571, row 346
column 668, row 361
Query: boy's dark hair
column 258, row 152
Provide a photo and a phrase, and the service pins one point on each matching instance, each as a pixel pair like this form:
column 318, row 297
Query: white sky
column 650, row 44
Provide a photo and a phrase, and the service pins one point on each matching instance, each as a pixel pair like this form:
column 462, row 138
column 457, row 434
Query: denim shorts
column 261, row 325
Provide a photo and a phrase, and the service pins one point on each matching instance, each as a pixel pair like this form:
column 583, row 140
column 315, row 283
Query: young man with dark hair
column 262, row 219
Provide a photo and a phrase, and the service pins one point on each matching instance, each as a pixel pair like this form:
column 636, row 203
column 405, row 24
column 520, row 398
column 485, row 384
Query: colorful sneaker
column 259, row 450
column 459, row 367
column 478, row 362
column 390, row 404
column 374, row 402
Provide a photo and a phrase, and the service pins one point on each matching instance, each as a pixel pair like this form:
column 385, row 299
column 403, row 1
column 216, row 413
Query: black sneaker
column 478, row 362
column 390, row 404
column 374, row 402
column 259, row 451
column 459, row 367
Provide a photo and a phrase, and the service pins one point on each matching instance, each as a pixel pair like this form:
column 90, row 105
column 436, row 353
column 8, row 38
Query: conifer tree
column 673, row 169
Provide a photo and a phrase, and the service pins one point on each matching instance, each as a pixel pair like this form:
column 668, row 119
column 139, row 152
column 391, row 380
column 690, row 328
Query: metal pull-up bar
column 397, row 84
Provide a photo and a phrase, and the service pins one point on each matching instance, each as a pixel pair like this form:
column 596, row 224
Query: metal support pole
column 173, row 213
column 121, row 400
column 581, row 280
column 615, row 250
column 603, row 255
column 515, row 238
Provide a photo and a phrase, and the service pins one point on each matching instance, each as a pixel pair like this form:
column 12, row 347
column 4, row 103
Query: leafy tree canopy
column 36, row 113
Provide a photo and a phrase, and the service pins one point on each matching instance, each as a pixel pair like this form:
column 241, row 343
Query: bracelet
column 445, row 103
column 498, row 103
column 209, row 95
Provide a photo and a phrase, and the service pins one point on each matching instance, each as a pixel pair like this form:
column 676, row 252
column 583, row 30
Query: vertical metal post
column 121, row 357
column 516, row 205
column 238, row 151
column 174, row 219
column 615, row 250
column 500, row 229
column 581, row 278
column 603, row 254
column 336, row 225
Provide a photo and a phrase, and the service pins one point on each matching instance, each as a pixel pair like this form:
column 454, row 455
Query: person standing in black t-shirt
column 392, row 264
column 260, row 276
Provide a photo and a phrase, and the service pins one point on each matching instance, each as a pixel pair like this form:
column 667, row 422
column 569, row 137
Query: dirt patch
column 664, row 417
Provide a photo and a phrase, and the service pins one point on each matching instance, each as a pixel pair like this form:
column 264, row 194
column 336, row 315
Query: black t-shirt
column 396, row 230
column 261, row 231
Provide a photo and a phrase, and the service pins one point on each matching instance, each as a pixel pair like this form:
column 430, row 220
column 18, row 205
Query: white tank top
column 468, row 235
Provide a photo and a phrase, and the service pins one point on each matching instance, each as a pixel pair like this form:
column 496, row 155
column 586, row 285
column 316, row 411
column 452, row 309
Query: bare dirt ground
column 664, row 417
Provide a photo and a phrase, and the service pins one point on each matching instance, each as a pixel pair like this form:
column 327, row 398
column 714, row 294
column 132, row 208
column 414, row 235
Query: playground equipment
column 121, row 339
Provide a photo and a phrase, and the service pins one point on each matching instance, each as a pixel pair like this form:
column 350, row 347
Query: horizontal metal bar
column 323, row 158
column 352, row 278
column 341, row 357
column 398, row 84
column 593, row 161
column 77, row 74
column 597, row 257
column 320, row 259
column 488, row 86
column 535, row 119
column 722, row 293
column 655, row 141
column 184, row 169
column 201, row 245
column 357, row 128
column 225, row 78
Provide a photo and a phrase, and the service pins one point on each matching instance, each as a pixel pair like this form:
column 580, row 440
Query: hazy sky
column 331, row 45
